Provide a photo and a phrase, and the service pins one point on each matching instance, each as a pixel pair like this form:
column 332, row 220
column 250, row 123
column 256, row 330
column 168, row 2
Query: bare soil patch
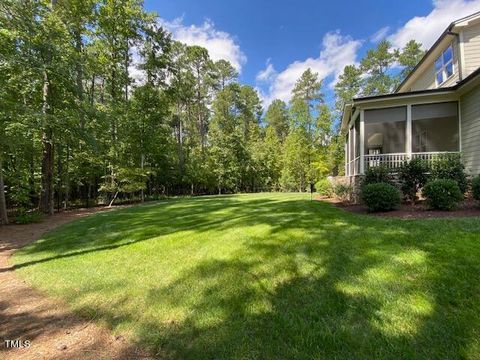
column 53, row 331
column 468, row 208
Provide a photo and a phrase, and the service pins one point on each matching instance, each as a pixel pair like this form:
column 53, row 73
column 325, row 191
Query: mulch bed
column 468, row 208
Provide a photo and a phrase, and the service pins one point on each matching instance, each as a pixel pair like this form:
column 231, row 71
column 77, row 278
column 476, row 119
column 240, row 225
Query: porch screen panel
column 385, row 130
column 357, row 145
column 435, row 127
column 350, row 145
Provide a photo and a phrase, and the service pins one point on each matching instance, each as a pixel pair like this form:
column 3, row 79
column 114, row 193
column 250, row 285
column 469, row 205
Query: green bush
column 378, row 174
column 343, row 192
column 380, row 196
column 450, row 167
column 324, row 187
column 413, row 175
column 476, row 188
column 442, row 194
column 28, row 217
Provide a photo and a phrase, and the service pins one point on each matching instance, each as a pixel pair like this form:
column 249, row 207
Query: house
column 435, row 110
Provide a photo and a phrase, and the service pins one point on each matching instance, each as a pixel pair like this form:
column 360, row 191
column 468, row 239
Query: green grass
column 269, row 276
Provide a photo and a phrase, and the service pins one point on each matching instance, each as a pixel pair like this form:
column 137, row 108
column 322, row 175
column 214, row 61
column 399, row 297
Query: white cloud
column 380, row 34
column 220, row 44
column 426, row 29
column 337, row 52
column 267, row 74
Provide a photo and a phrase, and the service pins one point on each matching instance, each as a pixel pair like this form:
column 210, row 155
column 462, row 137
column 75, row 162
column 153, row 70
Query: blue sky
column 272, row 42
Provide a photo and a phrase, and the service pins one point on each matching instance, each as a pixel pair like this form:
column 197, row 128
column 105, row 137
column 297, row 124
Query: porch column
column 346, row 156
column 362, row 142
column 408, row 135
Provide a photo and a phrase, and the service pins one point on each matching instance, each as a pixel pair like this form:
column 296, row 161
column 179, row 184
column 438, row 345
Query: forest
column 99, row 105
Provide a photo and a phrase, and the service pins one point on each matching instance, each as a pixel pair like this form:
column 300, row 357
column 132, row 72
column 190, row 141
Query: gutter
column 420, row 92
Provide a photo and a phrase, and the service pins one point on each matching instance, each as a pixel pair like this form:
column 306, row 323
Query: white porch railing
column 394, row 161
column 430, row 156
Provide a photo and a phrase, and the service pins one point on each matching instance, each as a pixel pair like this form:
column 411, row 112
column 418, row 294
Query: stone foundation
column 351, row 181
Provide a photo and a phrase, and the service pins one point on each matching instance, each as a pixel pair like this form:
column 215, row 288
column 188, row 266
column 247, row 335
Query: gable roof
column 448, row 32
column 461, row 86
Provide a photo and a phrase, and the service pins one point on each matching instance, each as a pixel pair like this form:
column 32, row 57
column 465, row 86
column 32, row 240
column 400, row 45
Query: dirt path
column 53, row 331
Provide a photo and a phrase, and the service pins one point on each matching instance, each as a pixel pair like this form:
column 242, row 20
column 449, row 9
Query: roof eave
column 347, row 110
column 438, row 91
column 448, row 31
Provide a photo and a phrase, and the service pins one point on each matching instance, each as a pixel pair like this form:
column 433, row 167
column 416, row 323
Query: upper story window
column 444, row 66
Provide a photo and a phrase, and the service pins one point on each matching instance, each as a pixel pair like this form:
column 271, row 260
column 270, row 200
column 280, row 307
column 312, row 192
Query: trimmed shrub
column 413, row 175
column 380, row 197
column 377, row 174
column 442, row 194
column 450, row 167
column 324, row 187
column 476, row 188
column 343, row 192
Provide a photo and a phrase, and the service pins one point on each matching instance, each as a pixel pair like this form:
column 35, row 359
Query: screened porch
column 390, row 136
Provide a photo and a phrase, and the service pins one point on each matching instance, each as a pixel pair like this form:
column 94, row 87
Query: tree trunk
column 46, row 195
column 142, row 161
column 126, row 63
column 114, row 198
column 92, row 91
column 59, row 177
column 89, row 193
column 79, row 79
column 179, row 134
column 67, row 179
column 31, row 178
column 48, row 157
column 3, row 203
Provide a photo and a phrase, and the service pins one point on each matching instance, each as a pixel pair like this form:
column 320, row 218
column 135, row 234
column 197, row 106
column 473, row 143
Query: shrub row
column 443, row 184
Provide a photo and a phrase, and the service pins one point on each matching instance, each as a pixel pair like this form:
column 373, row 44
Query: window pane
column 435, row 127
column 438, row 64
column 385, row 130
column 449, row 69
column 447, row 55
column 439, row 77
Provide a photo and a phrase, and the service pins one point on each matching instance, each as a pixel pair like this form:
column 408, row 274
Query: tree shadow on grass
column 324, row 312
column 351, row 287
column 124, row 227
column 144, row 222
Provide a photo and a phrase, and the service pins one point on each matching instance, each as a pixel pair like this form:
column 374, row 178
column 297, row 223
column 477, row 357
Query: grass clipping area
column 272, row 276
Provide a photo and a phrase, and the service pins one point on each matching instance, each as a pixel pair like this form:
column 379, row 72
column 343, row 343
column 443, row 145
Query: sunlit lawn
column 269, row 276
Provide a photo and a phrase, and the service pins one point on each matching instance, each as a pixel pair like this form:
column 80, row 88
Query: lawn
column 268, row 276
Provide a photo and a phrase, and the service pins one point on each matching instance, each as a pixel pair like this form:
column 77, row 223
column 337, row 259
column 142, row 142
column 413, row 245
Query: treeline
column 98, row 102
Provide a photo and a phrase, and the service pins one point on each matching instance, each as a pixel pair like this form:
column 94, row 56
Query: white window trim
column 444, row 67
